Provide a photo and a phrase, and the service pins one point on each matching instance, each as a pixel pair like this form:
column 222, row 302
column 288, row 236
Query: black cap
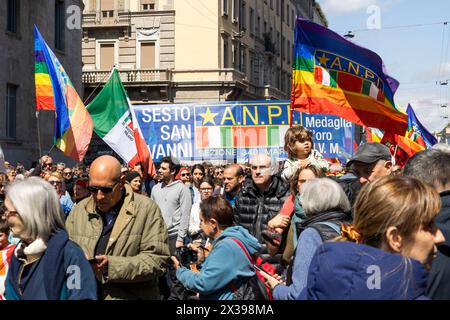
column 370, row 153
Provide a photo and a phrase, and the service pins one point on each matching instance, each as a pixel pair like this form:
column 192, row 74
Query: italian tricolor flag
column 240, row 137
column 115, row 122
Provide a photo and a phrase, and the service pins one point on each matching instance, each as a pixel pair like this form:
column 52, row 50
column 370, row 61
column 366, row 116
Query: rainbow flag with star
column 55, row 91
column 332, row 75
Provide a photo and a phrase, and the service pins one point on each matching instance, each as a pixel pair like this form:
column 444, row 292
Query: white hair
column 442, row 147
column 323, row 194
column 274, row 166
column 2, row 161
column 38, row 205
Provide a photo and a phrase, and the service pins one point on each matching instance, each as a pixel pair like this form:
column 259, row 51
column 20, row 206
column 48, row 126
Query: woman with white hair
column 326, row 207
column 46, row 265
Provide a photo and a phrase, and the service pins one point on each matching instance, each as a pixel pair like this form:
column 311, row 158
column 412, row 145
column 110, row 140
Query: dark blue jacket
column 61, row 273
column 439, row 278
column 350, row 271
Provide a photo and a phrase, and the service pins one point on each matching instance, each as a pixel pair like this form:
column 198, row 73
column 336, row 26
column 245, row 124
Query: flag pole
column 395, row 154
column 98, row 85
column 38, row 134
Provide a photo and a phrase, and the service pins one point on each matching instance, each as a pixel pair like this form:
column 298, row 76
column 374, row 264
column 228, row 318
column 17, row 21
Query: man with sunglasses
column 122, row 233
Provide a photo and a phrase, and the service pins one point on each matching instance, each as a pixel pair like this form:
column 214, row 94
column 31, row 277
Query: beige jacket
column 137, row 250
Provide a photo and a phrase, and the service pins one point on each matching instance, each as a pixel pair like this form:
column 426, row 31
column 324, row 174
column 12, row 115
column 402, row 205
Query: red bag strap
column 244, row 249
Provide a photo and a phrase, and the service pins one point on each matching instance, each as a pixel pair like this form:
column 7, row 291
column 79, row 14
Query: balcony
column 128, row 76
column 108, row 18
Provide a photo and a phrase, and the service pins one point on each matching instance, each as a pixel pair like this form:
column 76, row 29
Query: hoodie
column 350, row 271
column 225, row 263
column 175, row 203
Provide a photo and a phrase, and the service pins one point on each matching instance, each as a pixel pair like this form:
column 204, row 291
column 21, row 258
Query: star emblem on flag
column 208, row 116
column 323, row 60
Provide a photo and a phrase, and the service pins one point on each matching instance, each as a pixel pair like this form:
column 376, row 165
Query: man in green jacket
column 122, row 234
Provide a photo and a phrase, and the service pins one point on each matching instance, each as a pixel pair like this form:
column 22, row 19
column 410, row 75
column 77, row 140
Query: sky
column 411, row 38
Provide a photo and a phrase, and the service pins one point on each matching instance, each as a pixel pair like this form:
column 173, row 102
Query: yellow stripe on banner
column 42, row 79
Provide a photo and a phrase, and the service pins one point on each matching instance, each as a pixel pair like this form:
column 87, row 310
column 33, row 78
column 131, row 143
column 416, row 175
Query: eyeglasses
column 105, row 190
column 8, row 213
column 67, row 173
column 206, row 189
column 48, row 164
column 55, row 183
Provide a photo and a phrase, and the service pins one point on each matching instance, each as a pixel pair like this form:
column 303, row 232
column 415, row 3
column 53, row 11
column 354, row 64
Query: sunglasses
column 67, row 173
column 55, row 183
column 105, row 190
column 185, row 174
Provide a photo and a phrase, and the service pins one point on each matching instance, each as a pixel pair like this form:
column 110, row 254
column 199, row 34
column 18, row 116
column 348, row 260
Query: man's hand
column 279, row 221
column 179, row 244
column 175, row 261
column 100, row 266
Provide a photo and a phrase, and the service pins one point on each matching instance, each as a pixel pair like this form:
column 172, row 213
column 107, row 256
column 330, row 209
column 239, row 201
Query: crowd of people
column 303, row 228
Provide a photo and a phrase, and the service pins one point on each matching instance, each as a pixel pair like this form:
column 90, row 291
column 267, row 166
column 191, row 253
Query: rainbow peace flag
column 55, row 91
column 334, row 76
column 417, row 132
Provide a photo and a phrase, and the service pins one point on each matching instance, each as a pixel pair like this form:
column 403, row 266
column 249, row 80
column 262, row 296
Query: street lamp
column 349, row 35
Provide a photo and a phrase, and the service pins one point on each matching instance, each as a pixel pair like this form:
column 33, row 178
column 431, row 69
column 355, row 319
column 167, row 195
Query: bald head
column 105, row 167
column 104, row 180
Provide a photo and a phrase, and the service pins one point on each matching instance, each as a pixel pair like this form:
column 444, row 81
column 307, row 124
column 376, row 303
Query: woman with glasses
column 46, row 265
column 57, row 181
column 206, row 191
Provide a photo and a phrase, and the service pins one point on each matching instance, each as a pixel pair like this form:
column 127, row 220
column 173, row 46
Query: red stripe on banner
column 201, row 137
column 349, row 82
column 318, row 75
column 248, row 137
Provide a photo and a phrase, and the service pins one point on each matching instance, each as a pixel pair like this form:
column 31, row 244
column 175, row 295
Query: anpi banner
column 236, row 130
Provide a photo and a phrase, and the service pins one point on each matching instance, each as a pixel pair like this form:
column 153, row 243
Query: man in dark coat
column 433, row 167
column 260, row 199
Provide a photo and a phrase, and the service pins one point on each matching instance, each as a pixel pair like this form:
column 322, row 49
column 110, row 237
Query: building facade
column 19, row 134
column 192, row 51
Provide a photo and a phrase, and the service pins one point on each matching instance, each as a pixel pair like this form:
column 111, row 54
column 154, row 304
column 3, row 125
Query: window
column 288, row 20
column 147, row 5
column 225, row 53
column 278, row 7
column 107, row 56
column 265, row 27
column 243, row 14
column 283, row 51
column 293, row 19
column 10, row 114
column 107, row 8
column 271, row 4
column 147, row 55
column 235, row 10
column 12, row 24
column 288, row 52
column 278, row 43
column 236, row 56
column 243, row 60
column 282, row 10
column 225, row 7
column 258, row 25
column 60, row 25
column 252, row 21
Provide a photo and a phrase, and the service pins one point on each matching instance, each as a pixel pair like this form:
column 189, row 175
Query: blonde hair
column 294, row 134
column 399, row 201
column 54, row 174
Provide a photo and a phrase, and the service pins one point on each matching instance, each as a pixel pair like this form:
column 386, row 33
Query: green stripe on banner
column 40, row 67
column 333, row 78
column 303, row 64
column 226, row 138
column 366, row 87
column 273, row 136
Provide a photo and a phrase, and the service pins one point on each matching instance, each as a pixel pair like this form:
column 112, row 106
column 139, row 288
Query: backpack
column 252, row 289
